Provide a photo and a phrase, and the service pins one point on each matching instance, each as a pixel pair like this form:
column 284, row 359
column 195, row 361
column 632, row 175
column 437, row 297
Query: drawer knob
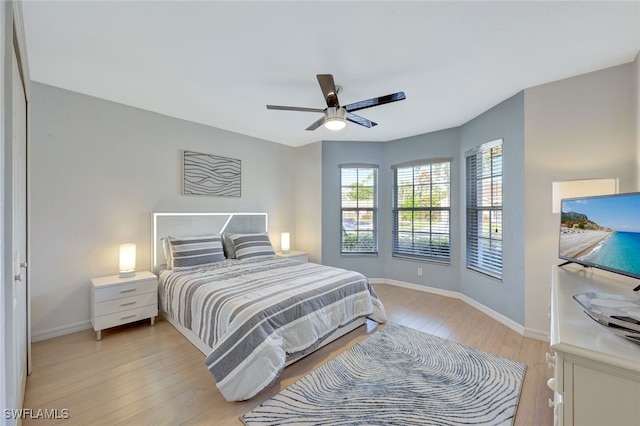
column 127, row 317
column 128, row 304
column 550, row 359
column 128, row 290
column 551, row 383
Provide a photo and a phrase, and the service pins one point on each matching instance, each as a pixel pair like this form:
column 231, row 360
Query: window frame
column 431, row 250
column 481, row 250
column 358, row 211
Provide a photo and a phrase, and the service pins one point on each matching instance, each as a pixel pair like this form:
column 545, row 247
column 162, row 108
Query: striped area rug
column 400, row 376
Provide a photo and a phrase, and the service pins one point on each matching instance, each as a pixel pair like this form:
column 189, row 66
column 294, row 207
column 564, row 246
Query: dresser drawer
column 125, row 290
column 125, row 317
column 125, row 303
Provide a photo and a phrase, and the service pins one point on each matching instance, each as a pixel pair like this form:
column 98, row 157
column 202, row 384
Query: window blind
column 484, row 209
column 358, row 208
column 422, row 210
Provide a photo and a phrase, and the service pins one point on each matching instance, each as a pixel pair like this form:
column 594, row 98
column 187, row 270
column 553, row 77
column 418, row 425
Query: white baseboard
column 536, row 334
column 527, row 332
column 50, row 333
column 518, row 328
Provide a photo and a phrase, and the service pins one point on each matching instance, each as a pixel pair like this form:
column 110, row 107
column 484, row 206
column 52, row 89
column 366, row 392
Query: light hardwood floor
column 140, row 374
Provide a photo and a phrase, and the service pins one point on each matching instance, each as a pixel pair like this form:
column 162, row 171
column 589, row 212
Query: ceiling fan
column 334, row 115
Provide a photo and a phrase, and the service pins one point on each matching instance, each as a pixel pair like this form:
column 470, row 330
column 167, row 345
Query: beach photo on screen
column 602, row 231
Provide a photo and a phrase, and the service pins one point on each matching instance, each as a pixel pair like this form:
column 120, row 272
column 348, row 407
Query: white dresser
column 116, row 301
column 596, row 373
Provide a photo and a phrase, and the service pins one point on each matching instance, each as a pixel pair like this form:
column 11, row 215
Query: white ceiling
column 220, row 63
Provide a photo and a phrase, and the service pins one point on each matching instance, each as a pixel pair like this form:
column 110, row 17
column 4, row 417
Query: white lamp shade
column 127, row 260
column 581, row 188
column 285, row 242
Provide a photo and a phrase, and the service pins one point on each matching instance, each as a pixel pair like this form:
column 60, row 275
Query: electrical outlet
column 419, row 272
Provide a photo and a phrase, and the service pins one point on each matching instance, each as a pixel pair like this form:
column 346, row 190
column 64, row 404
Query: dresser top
column 573, row 332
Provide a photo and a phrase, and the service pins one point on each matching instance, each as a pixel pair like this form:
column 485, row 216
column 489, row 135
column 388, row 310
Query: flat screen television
column 602, row 232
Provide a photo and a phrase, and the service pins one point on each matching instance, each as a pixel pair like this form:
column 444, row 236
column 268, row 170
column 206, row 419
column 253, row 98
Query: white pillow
column 166, row 247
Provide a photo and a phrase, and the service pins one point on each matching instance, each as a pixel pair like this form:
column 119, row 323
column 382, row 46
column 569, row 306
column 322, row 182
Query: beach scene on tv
column 602, row 231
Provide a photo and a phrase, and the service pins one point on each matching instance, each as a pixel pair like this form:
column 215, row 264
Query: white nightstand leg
column 153, row 320
column 99, row 335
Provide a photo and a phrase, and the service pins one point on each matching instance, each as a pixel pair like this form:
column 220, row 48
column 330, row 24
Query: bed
column 249, row 311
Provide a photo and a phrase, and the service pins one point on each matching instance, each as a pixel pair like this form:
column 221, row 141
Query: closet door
column 17, row 323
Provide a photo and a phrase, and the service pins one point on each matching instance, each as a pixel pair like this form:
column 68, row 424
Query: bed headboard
column 186, row 224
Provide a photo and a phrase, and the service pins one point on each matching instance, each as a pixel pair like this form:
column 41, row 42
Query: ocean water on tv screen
column 620, row 251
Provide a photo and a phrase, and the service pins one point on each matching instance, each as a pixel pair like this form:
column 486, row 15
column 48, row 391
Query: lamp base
column 127, row 274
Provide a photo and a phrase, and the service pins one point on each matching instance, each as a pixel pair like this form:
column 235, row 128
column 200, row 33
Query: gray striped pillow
column 252, row 246
column 191, row 252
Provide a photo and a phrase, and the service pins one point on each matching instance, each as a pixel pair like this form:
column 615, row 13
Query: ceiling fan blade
column 291, row 108
column 328, row 88
column 360, row 120
column 375, row 101
column 316, row 124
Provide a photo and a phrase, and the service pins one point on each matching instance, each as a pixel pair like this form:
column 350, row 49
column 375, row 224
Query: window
column 359, row 208
column 422, row 210
column 484, row 209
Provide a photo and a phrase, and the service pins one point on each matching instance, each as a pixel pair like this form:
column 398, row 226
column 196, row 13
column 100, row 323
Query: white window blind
column 359, row 208
column 484, row 209
column 422, row 210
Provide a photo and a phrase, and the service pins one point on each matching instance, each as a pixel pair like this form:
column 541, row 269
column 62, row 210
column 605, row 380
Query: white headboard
column 187, row 224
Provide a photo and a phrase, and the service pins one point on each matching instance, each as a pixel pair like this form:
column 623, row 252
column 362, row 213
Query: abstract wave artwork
column 205, row 174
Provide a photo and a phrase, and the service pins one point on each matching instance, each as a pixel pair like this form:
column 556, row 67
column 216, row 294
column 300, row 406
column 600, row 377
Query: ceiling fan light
column 334, row 123
column 334, row 118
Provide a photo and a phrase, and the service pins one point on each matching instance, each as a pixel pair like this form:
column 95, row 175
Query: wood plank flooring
column 140, row 374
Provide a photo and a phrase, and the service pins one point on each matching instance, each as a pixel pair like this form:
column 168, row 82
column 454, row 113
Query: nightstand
column 296, row 255
column 117, row 301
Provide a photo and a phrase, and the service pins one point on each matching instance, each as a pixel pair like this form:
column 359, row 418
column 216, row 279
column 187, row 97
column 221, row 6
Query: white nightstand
column 116, row 301
column 297, row 255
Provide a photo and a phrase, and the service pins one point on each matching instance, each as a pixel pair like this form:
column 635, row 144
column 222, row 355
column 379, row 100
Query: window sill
column 422, row 259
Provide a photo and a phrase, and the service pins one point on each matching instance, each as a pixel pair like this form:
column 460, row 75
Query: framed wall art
column 206, row 174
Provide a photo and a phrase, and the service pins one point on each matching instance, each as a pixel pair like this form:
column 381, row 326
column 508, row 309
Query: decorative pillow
column 252, row 246
column 191, row 252
column 227, row 245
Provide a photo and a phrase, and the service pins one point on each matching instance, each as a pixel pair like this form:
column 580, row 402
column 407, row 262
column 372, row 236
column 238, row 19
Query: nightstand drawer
column 125, row 317
column 126, row 303
column 119, row 300
column 125, row 290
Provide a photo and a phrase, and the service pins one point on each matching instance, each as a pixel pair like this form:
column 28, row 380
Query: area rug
column 400, row 376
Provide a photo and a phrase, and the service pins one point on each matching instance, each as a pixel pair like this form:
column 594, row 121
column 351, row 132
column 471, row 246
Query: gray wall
column 442, row 144
column 98, row 171
column 432, row 145
column 581, row 127
column 307, row 235
column 335, row 153
column 504, row 121
column 578, row 128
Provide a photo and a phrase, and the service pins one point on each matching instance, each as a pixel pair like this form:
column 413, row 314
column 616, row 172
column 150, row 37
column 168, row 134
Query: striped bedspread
column 255, row 313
